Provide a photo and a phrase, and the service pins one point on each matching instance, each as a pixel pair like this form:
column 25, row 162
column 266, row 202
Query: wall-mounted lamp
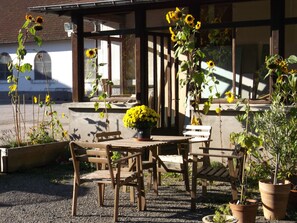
column 68, row 27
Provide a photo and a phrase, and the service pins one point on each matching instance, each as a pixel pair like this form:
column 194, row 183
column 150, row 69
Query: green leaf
column 38, row 40
column 25, row 67
column 28, row 78
column 292, row 59
column 96, row 106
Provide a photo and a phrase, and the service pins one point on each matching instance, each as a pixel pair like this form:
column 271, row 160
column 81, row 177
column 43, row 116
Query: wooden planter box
column 26, row 157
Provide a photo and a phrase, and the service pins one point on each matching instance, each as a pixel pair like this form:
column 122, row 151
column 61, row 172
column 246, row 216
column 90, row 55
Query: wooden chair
column 200, row 134
column 96, row 153
column 224, row 173
column 146, row 165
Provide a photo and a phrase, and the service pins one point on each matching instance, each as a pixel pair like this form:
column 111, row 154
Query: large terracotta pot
column 274, row 199
column 245, row 213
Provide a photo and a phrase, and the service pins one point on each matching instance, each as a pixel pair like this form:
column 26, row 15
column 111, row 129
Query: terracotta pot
column 292, row 204
column 245, row 213
column 274, row 199
column 209, row 219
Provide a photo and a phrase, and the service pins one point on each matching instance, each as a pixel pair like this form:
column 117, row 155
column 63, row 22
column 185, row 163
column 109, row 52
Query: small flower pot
column 245, row 213
column 209, row 219
column 143, row 134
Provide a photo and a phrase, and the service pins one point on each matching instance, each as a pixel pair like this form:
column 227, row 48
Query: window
column 42, row 66
column 4, row 60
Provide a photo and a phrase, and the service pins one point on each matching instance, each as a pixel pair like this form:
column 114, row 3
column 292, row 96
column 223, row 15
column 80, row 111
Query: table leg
column 194, row 183
column 141, row 194
column 155, row 168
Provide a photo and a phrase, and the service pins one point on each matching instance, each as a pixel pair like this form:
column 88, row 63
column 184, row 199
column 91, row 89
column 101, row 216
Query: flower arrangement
column 184, row 32
column 140, row 116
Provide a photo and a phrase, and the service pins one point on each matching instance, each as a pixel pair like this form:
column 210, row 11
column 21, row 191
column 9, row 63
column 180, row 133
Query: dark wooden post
column 77, row 60
column 141, row 58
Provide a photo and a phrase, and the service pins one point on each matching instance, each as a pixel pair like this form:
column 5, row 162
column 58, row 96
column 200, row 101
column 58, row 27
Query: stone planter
column 26, row 157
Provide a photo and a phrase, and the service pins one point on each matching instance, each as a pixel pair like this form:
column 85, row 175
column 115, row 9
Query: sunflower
column 39, row 19
column 47, row 98
column 173, row 37
column 189, row 19
column 198, row 25
column 171, row 30
column 91, row 53
column 218, row 110
column 210, row 64
column 38, row 27
column 178, row 14
column 29, row 17
column 230, row 96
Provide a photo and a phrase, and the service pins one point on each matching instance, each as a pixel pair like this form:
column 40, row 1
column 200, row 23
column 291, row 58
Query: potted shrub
column 221, row 215
column 26, row 149
column 244, row 209
column 277, row 127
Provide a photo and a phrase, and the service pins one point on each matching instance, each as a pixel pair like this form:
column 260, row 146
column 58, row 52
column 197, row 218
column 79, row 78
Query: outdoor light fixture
column 68, row 27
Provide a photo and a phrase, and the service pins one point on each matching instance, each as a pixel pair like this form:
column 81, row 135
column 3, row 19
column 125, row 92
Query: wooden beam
column 77, row 60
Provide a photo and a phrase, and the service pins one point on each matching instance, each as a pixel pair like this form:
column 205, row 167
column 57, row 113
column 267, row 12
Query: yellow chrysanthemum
column 189, row 19
column 210, row 64
column 91, row 53
column 47, row 98
column 230, row 96
column 35, row 99
column 218, row 110
column 198, row 25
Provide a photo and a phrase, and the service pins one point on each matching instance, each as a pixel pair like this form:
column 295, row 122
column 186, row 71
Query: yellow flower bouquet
column 140, row 117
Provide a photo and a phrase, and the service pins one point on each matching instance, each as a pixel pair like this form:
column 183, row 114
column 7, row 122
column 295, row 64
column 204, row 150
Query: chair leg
column 204, row 187
column 74, row 198
column 101, row 190
column 116, row 203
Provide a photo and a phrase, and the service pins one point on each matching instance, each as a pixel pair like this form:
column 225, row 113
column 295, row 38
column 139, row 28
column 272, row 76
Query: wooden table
column 133, row 145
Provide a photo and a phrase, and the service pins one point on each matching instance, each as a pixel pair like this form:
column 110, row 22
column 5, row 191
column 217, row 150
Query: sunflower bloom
column 91, row 53
column 173, row 38
column 12, row 87
column 38, row 27
column 171, row 30
column 178, row 14
column 47, row 98
column 210, row 64
column 218, row 110
column 189, row 19
column 39, row 19
column 230, row 96
column 168, row 17
column 29, row 17
column 198, row 25
column 35, row 100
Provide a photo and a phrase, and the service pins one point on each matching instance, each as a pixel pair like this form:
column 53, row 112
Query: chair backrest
column 104, row 136
column 198, row 132
column 90, row 153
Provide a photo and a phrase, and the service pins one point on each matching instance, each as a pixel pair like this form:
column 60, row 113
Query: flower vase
column 143, row 134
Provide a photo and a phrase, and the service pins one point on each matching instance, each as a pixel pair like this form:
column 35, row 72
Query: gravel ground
column 44, row 195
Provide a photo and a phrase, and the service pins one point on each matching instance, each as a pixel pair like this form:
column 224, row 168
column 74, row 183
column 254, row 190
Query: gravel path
column 44, row 195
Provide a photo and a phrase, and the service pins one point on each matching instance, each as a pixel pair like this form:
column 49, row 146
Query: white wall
column 60, row 53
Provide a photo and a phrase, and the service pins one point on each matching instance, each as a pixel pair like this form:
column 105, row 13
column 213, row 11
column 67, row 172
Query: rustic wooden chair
column 224, row 173
column 199, row 134
column 146, row 164
column 116, row 176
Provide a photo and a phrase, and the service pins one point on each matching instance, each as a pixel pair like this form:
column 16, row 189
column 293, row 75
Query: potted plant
column 222, row 215
column 143, row 119
column 245, row 209
column 28, row 148
column 277, row 127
